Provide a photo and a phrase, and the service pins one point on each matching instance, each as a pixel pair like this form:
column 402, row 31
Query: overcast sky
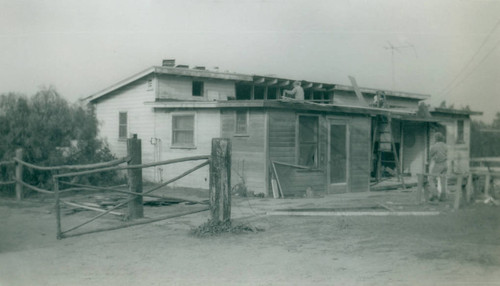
column 447, row 48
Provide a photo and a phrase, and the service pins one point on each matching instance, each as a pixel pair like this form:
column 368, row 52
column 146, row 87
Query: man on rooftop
column 296, row 93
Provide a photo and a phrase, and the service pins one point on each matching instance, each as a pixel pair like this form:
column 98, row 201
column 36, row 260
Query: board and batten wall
column 282, row 148
column 282, row 140
column 360, row 148
column 248, row 150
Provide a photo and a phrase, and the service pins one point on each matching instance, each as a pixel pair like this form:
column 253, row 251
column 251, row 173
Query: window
column 197, row 88
column 308, row 141
column 183, row 130
column 122, row 125
column 150, row 84
column 460, row 131
column 241, row 122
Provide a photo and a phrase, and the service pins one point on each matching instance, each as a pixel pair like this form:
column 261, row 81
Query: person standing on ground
column 438, row 155
column 296, row 93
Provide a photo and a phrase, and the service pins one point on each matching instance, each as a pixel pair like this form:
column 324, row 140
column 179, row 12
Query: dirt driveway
column 453, row 248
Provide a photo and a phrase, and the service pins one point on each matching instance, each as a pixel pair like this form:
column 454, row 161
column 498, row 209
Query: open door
column 338, row 156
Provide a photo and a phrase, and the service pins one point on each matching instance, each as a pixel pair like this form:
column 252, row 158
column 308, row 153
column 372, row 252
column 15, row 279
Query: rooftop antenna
column 393, row 48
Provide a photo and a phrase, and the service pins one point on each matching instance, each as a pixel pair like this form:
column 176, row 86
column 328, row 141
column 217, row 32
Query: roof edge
column 387, row 92
column 119, row 84
column 455, row 111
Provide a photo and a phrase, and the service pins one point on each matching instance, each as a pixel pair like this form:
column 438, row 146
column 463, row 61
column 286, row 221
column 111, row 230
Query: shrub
column 51, row 132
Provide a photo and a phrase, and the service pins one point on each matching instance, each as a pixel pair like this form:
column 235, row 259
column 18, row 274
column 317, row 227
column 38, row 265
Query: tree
column 51, row 132
column 496, row 121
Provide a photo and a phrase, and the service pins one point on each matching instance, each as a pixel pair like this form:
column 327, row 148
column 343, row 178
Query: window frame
column 120, row 125
column 298, row 141
column 201, row 88
column 175, row 145
column 236, row 131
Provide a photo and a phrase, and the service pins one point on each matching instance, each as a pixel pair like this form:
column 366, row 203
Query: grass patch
column 213, row 228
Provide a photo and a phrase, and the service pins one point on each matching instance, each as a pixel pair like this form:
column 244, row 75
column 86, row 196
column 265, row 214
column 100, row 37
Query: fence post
column 458, row 192
column 57, row 208
column 487, row 180
column 444, row 184
column 420, row 188
column 470, row 188
column 19, row 174
column 220, row 180
column 135, row 208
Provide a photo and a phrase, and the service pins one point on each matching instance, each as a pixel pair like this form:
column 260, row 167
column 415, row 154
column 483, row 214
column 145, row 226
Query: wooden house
column 324, row 143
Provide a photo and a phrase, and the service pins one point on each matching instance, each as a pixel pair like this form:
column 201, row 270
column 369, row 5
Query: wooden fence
column 487, row 168
column 219, row 186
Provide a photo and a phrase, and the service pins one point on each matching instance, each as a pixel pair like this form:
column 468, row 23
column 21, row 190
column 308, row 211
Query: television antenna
column 393, row 49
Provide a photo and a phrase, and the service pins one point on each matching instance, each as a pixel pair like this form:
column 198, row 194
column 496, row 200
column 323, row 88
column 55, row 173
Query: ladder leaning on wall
column 383, row 135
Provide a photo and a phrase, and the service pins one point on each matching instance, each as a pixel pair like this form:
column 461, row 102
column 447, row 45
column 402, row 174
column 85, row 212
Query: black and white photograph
column 250, row 142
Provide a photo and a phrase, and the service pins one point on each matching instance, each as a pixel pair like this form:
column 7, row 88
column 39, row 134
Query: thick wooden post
column 458, row 192
column 57, row 208
column 135, row 207
column 487, row 180
column 19, row 175
column 420, row 188
column 470, row 188
column 444, row 183
column 220, row 180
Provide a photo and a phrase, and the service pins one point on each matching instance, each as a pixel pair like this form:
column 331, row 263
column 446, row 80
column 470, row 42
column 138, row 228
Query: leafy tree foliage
column 485, row 138
column 50, row 131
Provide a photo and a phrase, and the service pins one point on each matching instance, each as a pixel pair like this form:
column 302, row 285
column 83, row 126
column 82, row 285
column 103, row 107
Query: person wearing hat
column 296, row 93
column 439, row 166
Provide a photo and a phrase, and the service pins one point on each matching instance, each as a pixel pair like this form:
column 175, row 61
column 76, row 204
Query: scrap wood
column 353, row 213
column 277, row 179
column 386, row 207
column 274, row 185
column 83, row 206
column 491, row 200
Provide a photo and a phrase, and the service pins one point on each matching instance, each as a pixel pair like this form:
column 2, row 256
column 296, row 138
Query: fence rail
column 219, row 186
column 71, row 167
column 489, row 168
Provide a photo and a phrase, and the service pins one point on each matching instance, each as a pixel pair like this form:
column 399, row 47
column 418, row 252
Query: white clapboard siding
column 140, row 117
column 207, row 126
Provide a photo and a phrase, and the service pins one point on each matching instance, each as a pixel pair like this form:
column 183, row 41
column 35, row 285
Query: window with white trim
column 183, row 130
column 122, row 125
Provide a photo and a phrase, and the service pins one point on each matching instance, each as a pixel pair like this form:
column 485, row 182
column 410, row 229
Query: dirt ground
column 453, row 248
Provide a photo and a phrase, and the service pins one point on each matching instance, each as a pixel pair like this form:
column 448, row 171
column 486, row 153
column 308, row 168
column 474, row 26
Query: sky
column 448, row 49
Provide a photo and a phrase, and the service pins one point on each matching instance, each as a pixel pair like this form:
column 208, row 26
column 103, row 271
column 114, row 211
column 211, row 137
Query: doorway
column 338, row 156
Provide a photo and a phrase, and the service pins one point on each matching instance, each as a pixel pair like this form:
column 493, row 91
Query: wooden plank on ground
column 374, row 213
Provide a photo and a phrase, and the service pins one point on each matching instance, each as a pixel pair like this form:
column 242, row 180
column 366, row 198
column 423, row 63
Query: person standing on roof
column 439, row 166
column 296, row 93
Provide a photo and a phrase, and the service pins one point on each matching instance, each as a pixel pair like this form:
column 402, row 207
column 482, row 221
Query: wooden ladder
column 385, row 136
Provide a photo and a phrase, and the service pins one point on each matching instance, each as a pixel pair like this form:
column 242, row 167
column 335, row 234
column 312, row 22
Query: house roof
column 250, row 79
column 282, row 104
column 171, row 71
column 416, row 96
column 455, row 111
